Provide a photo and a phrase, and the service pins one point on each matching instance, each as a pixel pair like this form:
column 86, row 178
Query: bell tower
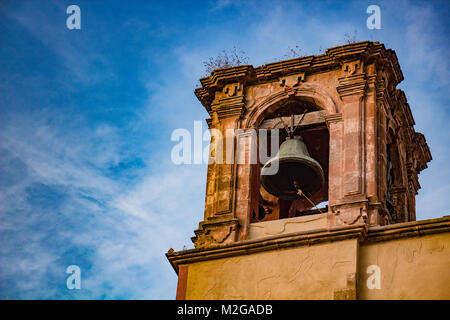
column 342, row 138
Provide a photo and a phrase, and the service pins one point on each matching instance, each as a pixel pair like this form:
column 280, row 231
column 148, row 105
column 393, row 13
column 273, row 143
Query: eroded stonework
column 369, row 148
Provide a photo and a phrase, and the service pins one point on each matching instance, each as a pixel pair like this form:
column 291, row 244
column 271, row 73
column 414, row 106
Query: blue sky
column 86, row 117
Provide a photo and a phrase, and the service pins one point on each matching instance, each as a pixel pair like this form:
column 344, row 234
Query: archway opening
column 315, row 135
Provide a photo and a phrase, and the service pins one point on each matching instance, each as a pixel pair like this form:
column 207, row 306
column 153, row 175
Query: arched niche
column 274, row 114
column 310, row 94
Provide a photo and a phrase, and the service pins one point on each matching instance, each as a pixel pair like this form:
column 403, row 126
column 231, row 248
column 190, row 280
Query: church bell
column 296, row 171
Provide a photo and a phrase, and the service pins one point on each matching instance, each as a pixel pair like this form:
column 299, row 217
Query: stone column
column 352, row 206
column 336, row 129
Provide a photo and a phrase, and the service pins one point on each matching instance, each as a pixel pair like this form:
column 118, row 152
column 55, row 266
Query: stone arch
column 310, row 93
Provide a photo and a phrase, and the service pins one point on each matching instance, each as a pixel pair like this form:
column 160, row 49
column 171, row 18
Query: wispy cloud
column 221, row 4
column 77, row 50
column 69, row 203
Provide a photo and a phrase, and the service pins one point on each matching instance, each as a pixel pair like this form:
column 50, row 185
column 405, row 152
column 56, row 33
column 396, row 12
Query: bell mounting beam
column 308, row 119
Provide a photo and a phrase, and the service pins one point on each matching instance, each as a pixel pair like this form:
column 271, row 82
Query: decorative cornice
column 408, row 229
column 366, row 52
column 218, row 79
column 360, row 232
column 230, row 101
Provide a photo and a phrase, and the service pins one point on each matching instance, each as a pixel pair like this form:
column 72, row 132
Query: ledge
column 266, row 244
column 361, row 232
column 408, row 229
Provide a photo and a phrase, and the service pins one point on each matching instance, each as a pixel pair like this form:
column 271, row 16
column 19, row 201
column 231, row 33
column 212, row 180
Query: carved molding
column 352, row 85
column 229, row 101
column 292, row 80
column 349, row 218
column 212, row 233
column 333, row 58
column 331, row 118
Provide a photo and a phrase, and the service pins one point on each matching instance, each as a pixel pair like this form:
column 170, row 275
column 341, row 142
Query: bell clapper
column 300, row 193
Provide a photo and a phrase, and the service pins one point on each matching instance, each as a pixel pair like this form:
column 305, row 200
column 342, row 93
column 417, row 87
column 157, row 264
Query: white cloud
column 126, row 226
column 75, row 50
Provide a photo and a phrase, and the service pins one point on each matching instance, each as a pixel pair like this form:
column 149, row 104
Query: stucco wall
column 411, row 268
column 306, row 272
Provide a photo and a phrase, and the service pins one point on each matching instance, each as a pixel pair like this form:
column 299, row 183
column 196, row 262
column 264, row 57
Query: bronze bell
column 297, row 170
